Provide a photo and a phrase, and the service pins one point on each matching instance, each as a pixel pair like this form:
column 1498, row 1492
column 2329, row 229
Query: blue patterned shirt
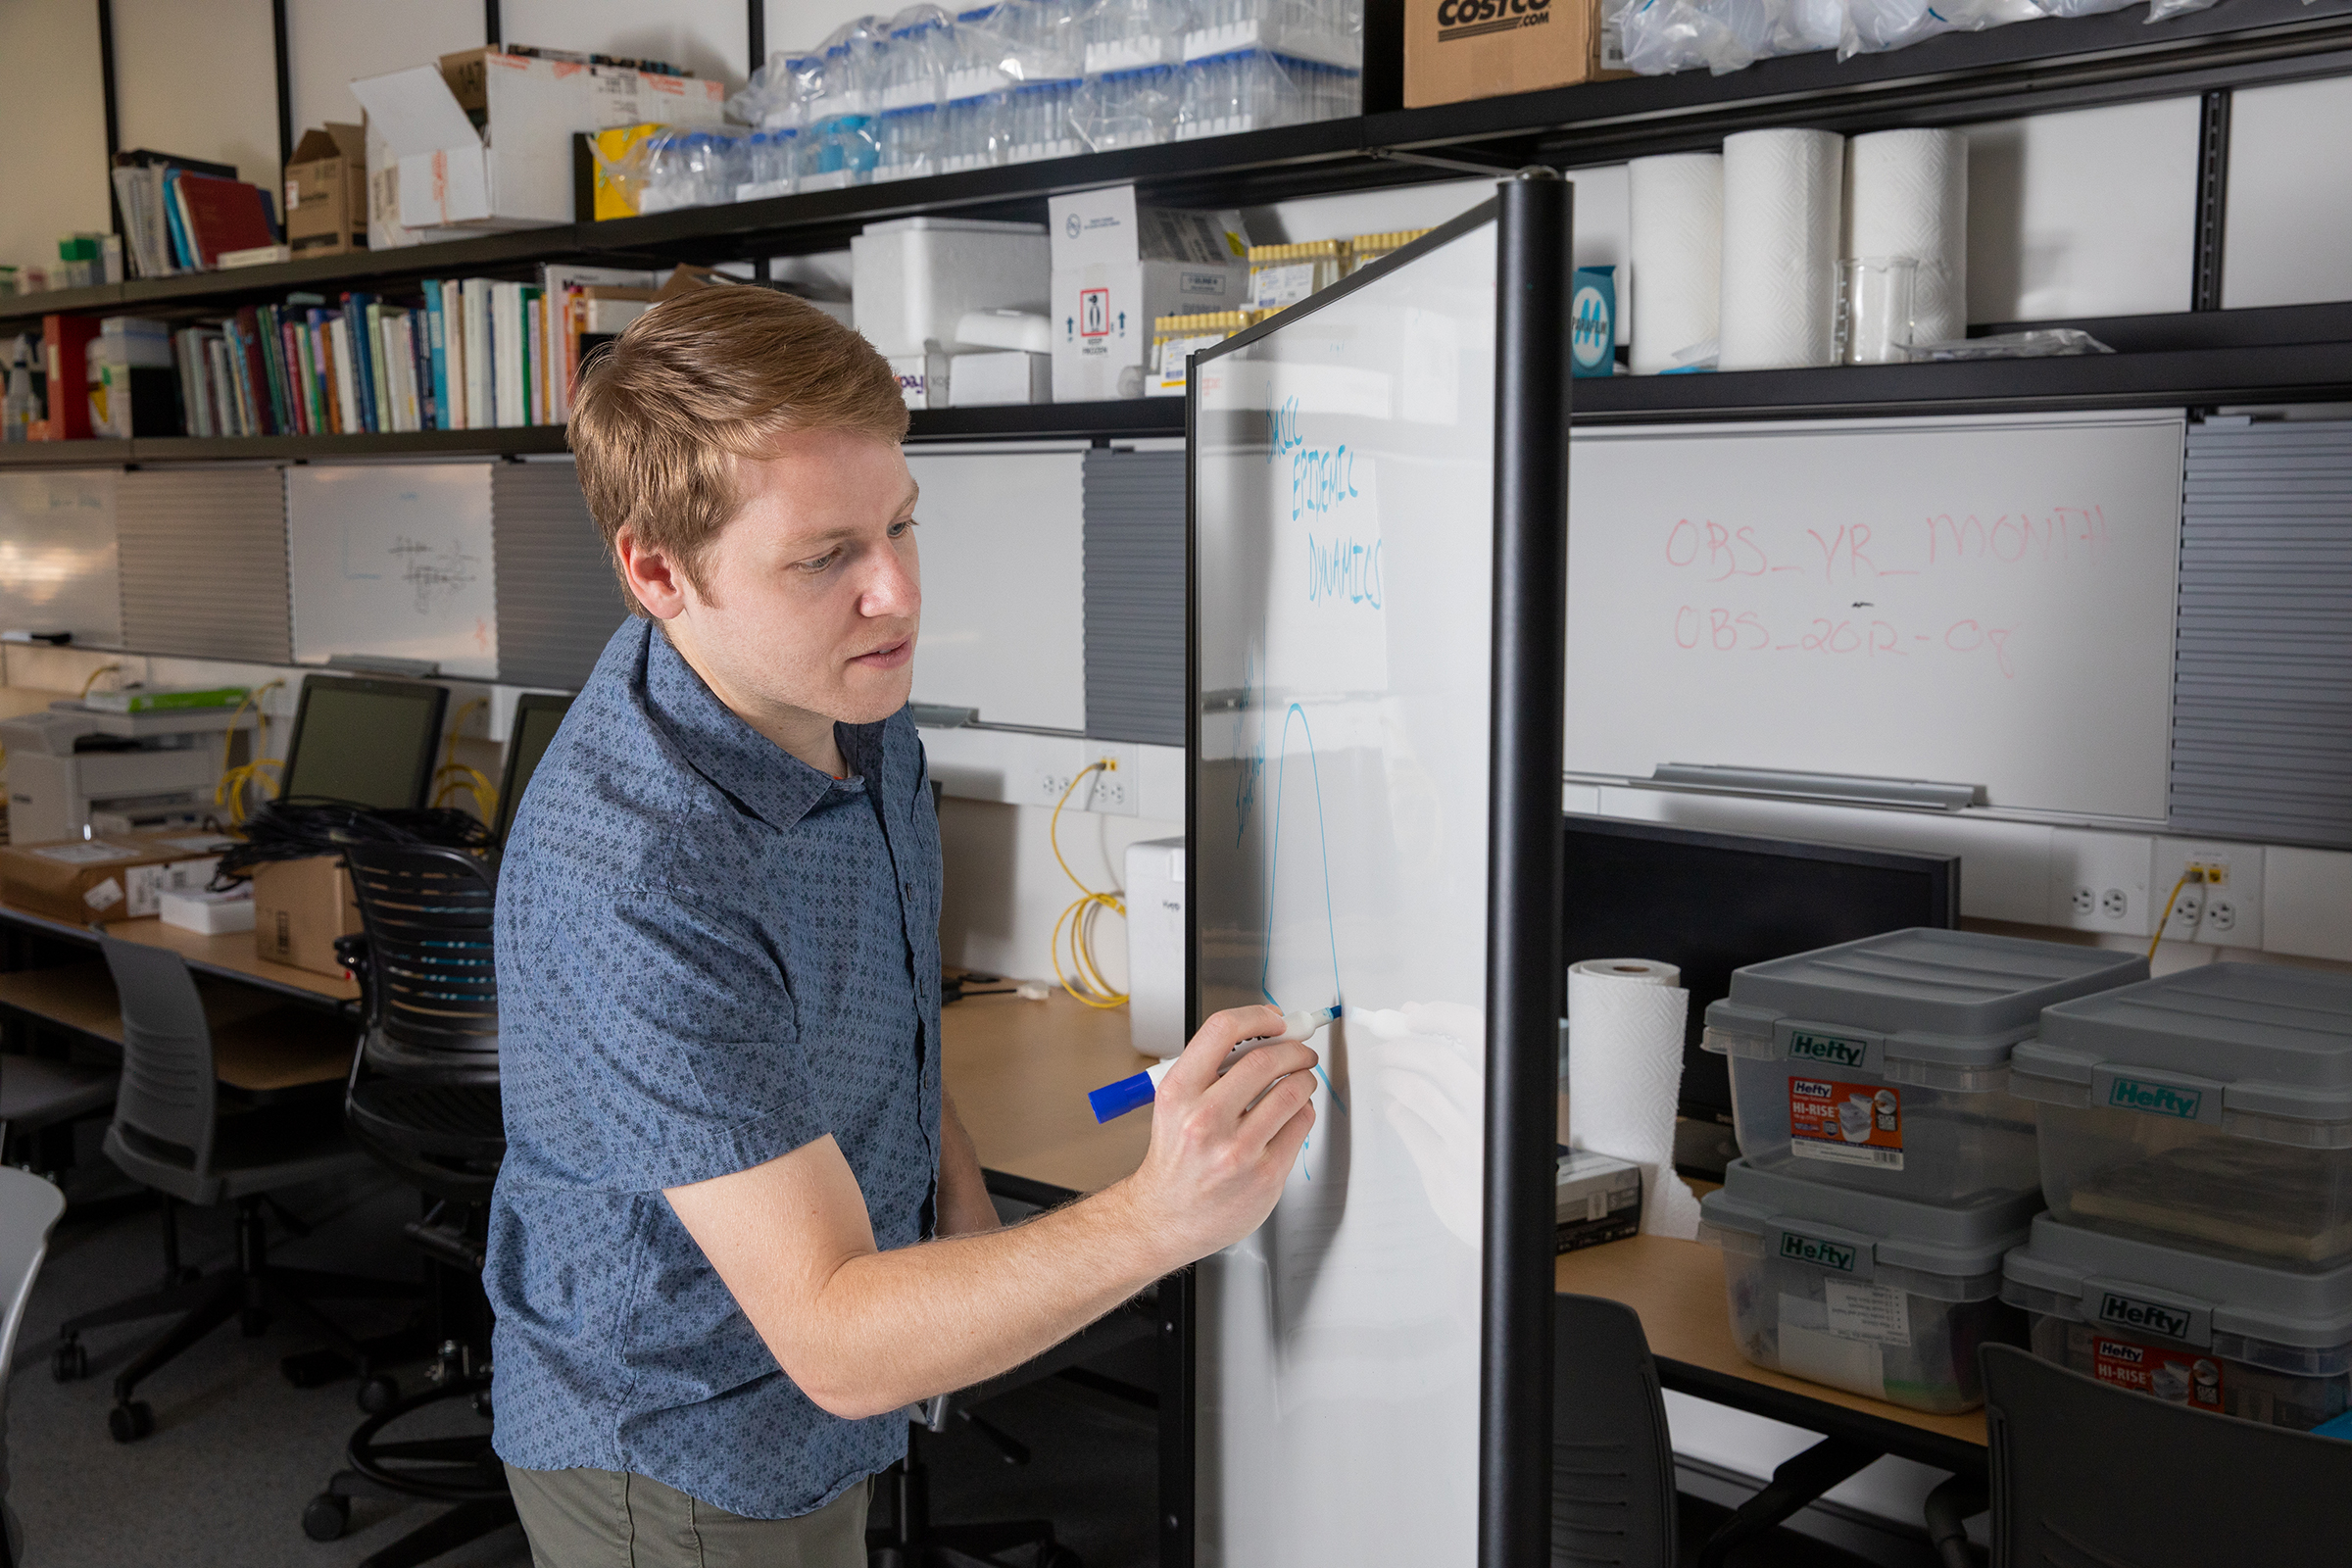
column 708, row 954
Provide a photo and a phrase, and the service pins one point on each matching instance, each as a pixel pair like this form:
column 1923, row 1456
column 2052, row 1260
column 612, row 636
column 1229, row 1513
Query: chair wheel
column 1054, row 1554
column 130, row 1422
column 324, row 1516
column 377, row 1395
column 69, row 1361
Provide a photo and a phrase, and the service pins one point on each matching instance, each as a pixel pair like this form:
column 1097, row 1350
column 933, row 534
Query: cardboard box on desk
column 114, row 876
column 327, row 193
column 1456, row 50
column 1117, row 268
column 484, row 137
column 299, row 908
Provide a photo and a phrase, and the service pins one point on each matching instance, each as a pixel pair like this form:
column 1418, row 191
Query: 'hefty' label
column 1852, row 1124
column 2156, row 1100
column 1820, row 1252
column 2181, row 1378
column 1835, row 1051
column 2173, row 1322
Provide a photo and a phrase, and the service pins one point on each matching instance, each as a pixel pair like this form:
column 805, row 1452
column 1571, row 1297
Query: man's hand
column 864, row 1332
column 1219, row 1152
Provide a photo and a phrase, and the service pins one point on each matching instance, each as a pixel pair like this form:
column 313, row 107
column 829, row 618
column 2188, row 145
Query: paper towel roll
column 1625, row 1077
column 1677, row 210
column 1781, row 198
column 1906, row 194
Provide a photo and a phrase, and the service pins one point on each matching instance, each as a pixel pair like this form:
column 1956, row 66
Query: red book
column 65, row 348
column 223, row 215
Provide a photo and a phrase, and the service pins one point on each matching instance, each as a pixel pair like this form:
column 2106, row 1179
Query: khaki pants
column 609, row 1519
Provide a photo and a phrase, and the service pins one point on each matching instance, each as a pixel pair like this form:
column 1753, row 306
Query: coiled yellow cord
column 236, row 782
column 469, row 779
column 2164, row 916
column 1082, row 914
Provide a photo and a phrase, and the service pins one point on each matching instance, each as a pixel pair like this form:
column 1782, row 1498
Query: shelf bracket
column 2212, row 200
column 1464, row 166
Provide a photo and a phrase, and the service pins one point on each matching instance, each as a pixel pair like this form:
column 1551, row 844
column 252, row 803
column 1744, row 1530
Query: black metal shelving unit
column 2200, row 358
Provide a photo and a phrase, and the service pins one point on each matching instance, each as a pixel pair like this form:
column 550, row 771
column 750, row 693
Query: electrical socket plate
column 2099, row 882
column 2226, row 911
column 1111, row 790
column 1114, row 790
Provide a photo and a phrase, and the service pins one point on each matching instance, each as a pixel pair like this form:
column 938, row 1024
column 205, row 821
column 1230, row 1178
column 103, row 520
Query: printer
column 73, row 769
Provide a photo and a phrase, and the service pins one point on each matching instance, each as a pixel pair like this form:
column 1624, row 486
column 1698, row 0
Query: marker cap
column 1113, row 1100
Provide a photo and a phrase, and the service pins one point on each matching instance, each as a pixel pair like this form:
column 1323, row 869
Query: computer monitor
column 1711, row 903
column 369, row 742
column 537, row 716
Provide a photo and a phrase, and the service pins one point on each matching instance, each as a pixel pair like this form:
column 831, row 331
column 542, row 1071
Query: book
column 221, row 215
column 481, row 363
column 437, row 348
column 164, row 699
column 453, row 302
column 362, row 357
column 533, row 357
column 506, row 353
column 380, row 370
column 347, row 386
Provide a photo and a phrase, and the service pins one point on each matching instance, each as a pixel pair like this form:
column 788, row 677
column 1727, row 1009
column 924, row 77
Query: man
column 739, row 1227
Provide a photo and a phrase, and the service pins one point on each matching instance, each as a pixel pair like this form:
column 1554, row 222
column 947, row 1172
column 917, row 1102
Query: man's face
column 813, row 594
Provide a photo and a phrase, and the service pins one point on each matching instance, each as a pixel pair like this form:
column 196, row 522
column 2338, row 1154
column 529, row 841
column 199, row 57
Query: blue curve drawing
column 1274, row 869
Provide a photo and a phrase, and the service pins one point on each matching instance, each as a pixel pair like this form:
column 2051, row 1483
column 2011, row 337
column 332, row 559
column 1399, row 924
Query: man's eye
column 818, row 563
column 898, row 528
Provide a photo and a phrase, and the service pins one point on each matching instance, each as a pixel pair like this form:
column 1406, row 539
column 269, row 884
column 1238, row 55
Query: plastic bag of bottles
column 1875, row 25
column 1662, row 36
column 1131, row 108
column 1131, row 34
column 1247, row 90
column 1041, row 40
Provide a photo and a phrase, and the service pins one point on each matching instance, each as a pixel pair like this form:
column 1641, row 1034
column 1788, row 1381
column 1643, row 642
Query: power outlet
column 1114, row 788
column 2224, row 909
column 2099, row 882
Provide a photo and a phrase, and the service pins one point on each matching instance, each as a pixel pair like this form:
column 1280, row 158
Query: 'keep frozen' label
column 1854, row 1124
column 2181, row 1377
column 1877, row 1313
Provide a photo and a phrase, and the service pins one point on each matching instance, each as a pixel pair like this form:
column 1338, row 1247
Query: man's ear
column 653, row 576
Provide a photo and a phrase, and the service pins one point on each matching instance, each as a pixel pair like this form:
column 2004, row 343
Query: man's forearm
column 890, row 1328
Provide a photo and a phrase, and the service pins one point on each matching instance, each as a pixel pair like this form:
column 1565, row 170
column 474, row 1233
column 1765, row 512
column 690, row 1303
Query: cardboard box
column 1598, row 1200
column 327, row 193
column 112, row 876
column 1456, row 50
column 299, row 908
column 507, row 161
column 1117, row 268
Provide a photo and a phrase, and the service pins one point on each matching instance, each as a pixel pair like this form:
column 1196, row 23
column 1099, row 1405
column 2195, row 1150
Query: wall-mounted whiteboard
column 1344, row 540
column 1001, row 536
column 1976, row 600
column 395, row 560
column 58, row 563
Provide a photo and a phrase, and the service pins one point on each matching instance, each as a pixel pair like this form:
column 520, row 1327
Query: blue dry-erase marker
column 1133, row 1094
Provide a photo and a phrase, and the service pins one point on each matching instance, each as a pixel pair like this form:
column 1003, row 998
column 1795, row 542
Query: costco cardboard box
column 114, row 876
column 327, row 193
column 299, row 908
column 1461, row 49
column 1118, row 267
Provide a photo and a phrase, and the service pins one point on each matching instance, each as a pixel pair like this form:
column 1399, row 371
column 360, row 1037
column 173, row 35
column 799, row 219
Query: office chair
column 2084, row 1473
column 172, row 1133
column 1612, row 1459
column 28, row 1210
column 39, row 1093
column 423, row 1100
column 912, row 1539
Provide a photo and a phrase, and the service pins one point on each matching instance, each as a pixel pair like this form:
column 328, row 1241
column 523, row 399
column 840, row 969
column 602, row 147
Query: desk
column 1676, row 1287
column 260, row 1044
column 1019, row 1072
column 229, row 956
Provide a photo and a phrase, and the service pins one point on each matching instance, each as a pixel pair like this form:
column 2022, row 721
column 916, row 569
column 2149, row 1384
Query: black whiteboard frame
column 1524, row 979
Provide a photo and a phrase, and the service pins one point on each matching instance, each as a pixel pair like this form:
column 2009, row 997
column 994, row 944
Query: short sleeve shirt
column 710, row 954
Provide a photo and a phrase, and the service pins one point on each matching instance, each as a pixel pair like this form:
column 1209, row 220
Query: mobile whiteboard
column 1342, row 547
column 1982, row 601
column 394, row 561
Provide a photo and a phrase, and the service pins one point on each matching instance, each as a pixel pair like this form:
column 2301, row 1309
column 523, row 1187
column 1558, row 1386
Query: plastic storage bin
column 2211, row 1108
column 2262, row 1344
column 913, row 278
column 1877, row 1295
column 1883, row 1064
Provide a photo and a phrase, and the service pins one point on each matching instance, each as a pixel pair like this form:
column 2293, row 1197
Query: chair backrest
column 1612, row 1459
column 168, row 1092
column 28, row 1210
column 2091, row 1475
column 431, row 976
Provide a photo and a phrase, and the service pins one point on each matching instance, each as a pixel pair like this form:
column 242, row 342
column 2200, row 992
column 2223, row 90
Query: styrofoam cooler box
column 1883, row 1064
column 1155, row 946
column 913, row 278
column 1877, row 1295
column 2212, row 1109
column 2239, row 1339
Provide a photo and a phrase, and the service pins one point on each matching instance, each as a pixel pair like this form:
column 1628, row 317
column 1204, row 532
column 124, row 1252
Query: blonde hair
column 699, row 381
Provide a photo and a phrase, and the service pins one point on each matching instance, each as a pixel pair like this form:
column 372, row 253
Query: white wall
column 330, row 43
column 709, row 37
column 803, row 24
column 1003, row 889
column 200, row 81
column 53, row 181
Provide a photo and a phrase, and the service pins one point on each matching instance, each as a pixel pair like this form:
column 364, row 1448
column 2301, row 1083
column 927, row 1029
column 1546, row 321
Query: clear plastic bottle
column 972, row 131
column 1134, row 107
column 1038, row 121
column 841, row 113
column 1041, row 41
column 1129, row 35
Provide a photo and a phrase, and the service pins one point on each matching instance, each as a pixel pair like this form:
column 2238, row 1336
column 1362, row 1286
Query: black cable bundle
column 309, row 825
